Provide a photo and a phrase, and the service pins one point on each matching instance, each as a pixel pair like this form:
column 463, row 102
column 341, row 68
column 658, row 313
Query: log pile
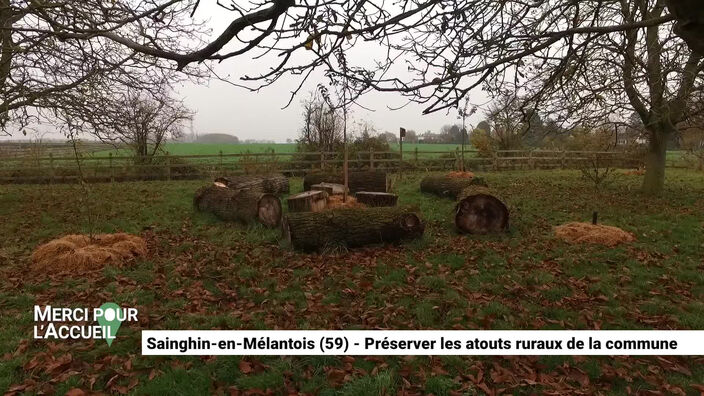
column 376, row 199
column 358, row 181
column 269, row 184
column 310, row 231
column 447, row 186
column 245, row 205
column 481, row 211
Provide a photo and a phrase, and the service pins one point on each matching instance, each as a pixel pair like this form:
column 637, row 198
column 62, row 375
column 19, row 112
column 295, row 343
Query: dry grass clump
column 335, row 202
column 591, row 233
column 461, row 175
column 76, row 253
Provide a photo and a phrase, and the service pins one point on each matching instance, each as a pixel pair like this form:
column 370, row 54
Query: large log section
column 350, row 228
column 376, row 199
column 308, row 201
column 270, row 184
column 480, row 211
column 246, row 206
column 358, row 181
column 446, row 186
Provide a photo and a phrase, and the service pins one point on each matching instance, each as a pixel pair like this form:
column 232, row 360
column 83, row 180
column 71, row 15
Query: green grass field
column 205, row 274
column 214, row 149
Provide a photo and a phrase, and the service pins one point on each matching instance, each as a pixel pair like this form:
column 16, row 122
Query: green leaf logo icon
column 109, row 321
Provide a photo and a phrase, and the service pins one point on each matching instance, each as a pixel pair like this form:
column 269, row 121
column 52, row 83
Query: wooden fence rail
column 58, row 169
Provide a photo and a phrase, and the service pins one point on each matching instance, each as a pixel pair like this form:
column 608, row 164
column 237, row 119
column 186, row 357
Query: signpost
column 401, row 135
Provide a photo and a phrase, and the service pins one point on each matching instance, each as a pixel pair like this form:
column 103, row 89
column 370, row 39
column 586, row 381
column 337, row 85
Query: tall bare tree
column 53, row 53
column 322, row 125
column 140, row 120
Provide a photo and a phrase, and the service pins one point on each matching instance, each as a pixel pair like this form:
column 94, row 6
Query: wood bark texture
column 351, row 228
column 245, row 206
column 376, row 199
column 308, row 201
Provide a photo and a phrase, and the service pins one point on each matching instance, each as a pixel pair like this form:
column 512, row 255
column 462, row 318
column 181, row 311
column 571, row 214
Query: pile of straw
column 461, row 175
column 335, row 202
column 76, row 253
column 591, row 233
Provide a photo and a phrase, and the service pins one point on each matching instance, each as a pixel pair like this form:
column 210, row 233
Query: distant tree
column 411, row 136
column 391, row 137
column 484, row 126
column 322, row 125
column 141, row 120
column 481, row 140
column 451, row 134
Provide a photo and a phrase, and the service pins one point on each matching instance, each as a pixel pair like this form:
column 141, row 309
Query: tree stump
column 351, row 227
column 270, row 184
column 330, row 188
column 376, row 199
column 358, row 181
column 480, row 211
column 446, row 186
column 308, row 201
column 245, row 206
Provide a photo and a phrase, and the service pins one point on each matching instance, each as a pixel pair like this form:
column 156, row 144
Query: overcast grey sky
column 223, row 108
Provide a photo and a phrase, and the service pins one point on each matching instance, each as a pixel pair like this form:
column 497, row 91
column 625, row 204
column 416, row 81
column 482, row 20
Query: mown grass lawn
column 204, row 274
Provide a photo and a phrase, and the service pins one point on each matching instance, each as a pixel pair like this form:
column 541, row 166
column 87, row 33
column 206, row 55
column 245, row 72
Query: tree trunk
column 245, row 206
column 480, row 211
column 308, row 201
column 358, row 181
column 446, row 186
column 350, row 227
column 654, row 179
column 376, row 199
column 270, row 184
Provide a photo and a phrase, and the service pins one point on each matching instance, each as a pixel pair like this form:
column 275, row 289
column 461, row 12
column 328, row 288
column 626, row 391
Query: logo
column 79, row 323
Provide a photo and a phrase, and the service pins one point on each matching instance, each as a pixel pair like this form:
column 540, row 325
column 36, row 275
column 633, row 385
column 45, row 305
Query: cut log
column 481, row 211
column 450, row 187
column 270, row 184
column 358, row 181
column 330, row 188
column 375, row 199
column 245, row 206
column 308, row 201
column 351, row 227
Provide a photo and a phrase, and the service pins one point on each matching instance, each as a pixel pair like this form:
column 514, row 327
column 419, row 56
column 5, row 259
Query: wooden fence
column 62, row 169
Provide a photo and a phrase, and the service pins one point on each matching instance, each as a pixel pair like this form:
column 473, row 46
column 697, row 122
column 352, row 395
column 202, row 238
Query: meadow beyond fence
column 113, row 168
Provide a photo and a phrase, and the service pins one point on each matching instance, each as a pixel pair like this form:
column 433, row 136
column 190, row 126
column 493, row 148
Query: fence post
column 415, row 156
column 563, row 159
column 495, row 160
column 112, row 170
column 371, row 159
column 531, row 161
column 458, row 161
column 168, row 167
column 51, row 168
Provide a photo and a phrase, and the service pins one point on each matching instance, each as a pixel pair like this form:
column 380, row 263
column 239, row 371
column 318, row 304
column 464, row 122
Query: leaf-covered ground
column 204, row 274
